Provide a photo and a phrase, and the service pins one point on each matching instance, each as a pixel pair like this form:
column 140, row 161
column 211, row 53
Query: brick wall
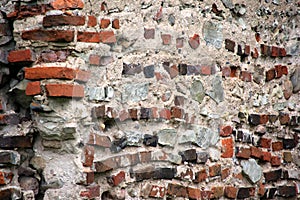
column 149, row 99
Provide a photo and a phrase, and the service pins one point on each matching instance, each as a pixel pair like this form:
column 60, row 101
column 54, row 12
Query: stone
column 171, row 19
column 189, row 155
column 217, row 92
column 212, row 33
column 134, row 138
column 135, row 92
column 149, row 71
column 197, row 91
column 295, row 79
column 150, row 140
column 29, row 183
column 187, row 136
column 131, row 69
column 252, row 170
column 202, row 157
column 167, row 137
column 206, row 137
column 228, row 4
column 118, row 145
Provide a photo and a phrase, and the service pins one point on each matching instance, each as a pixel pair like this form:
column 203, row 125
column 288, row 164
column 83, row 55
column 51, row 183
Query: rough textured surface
column 149, row 99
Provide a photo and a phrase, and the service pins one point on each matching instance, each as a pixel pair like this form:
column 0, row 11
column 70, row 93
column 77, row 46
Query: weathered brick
column 272, row 176
column 277, row 146
column 177, row 112
column 66, row 4
column 107, row 164
column 25, row 11
column 9, row 119
column 217, row 192
column 227, row 148
column 225, row 173
column 179, row 42
column 270, row 74
column 177, row 190
column 226, row 131
column 88, row 156
column 256, row 152
column 282, row 52
column 149, row 33
column 193, row 193
column 131, row 69
column 265, row 142
column 254, row 53
column 6, row 193
column 230, row 192
column 157, row 191
column 36, row 73
column 16, row 142
column 265, row 50
column 274, row 51
column 275, row 161
column 49, row 35
column 264, row 119
column 5, row 177
column 104, row 23
column 229, row 45
column 165, row 114
column 226, row 71
column 93, row 37
column 145, row 156
column 242, row 152
column 284, row 118
column 33, row 88
column 98, row 112
column 215, row 170
column 92, row 21
column 64, row 90
column 189, row 155
column 90, row 177
column 245, row 193
column 287, row 191
column 166, row 39
column 116, row 179
column 99, row 140
column 116, row 24
column 194, row 41
column 247, row 50
column 58, row 20
column 266, row 156
column 25, row 55
column 200, row 176
column 94, row 59
column 93, row 191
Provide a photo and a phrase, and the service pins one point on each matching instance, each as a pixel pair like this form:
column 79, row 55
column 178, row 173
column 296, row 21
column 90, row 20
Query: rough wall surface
column 173, row 99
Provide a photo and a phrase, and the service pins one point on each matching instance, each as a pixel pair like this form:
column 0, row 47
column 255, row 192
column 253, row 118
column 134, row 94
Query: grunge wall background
column 149, row 99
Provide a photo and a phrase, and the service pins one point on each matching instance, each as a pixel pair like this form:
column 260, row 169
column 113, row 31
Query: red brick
column 265, row 142
column 225, row 173
column 194, row 193
column 230, row 192
column 263, row 119
column 93, row 37
column 177, row 112
column 166, row 39
column 25, row 55
column 254, row 54
column 64, row 90
column 229, row 45
column 118, row 178
column 194, row 41
column 200, row 176
column 256, row 152
column 179, row 43
column 165, row 114
column 261, row 189
column 116, row 24
column 274, row 51
column 157, row 191
column 247, row 50
column 176, row 190
column 215, row 170
column 246, row 76
column 133, row 113
column 284, row 70
column 99, row 140
column 270, row 74
column 107, row 164
column 33, row 88
column 5, row 177
column 108, row 37
column 88, row 156
column 277, row 146
column 257, row 37
column 233, row 71
column 90, row 177
column 104, row 23
column 243, row 152
column 58, row 20
column 92, row 21
column 266, row 156
column 36, row 73
column 25, row 11
column 227, row 148
column 282, row 52
column 94, row 59
column 49, row 35
column 206, row 70
column 103, row 6
column 149, row 33
column 217, row 192
column 275, row 161
column 279, row 71
column 226, row 131
column 284, row 118
column 65, row 4
column 92, row 192
column 155, row 112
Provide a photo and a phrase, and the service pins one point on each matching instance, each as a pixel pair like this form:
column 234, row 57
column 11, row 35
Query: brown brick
column 215, row 170
column 165, row 114
column 230, row 192
column 177, row 112
column 107, row 164
column 245, row 193
column 200, row 176
column 149, row 33
column 287, row 156
column 279, row 71
column 194, row 193
column 104, row 23
column 58, row 20
column 177, row 190
column 36, row 73
column 66, row 4
column 90, row 178
column 227, row 148
column 274, row 51
column 64, row 90
column 255, row 54
column 265, row 50
column 145, row 156
column 116, row 24
column 25, row 55
column 284, row 118
column 242, row 152
column 274, row 175
column 270, row 74
column 166, row 39
column 226, row 71
column 99, row 140
column 16, row 142
column 277, row 146
column 88, row 156
column 92, row 21
column 6, row 193
column 94, row 59
column 217, row 192
column 275, row 161
column 179, row 43
column 92, row 192
column 256, row 152
column 246, row 76
column 282, row 52
column 226, row 131
column 265, row 142
column 133, row 113
column 266, row 156
column 108, row 37
column 33, row 88
column 225, row 173
column 287, row 191
column 229, row 45
column 118, row 178
column 49, row 35
column 92, row 37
